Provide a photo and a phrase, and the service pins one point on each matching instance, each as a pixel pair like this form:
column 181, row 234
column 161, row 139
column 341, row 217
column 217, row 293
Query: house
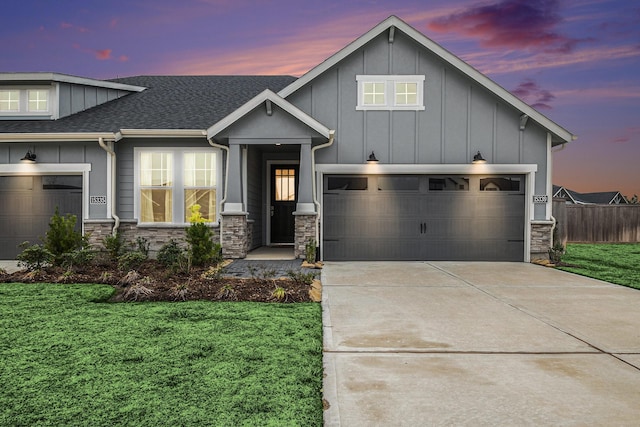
column 598, row 198
column 391, row 149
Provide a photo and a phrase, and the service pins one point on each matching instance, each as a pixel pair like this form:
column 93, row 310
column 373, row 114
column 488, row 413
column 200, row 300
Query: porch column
column 305, row 185
column 234, row 229
column 233, row 202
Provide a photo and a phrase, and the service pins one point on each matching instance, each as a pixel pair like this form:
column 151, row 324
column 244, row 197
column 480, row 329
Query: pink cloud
column 103, row 54
column 513, row 24
column 68, row 26
column 530, row 92
column 629, row 135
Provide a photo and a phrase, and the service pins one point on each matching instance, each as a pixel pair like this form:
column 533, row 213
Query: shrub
column 114, row 245
column 131, row 260
column 301, row 277
column 200, row 239
column 34, row 257
column 62, row 236
column 78, row 257
column 142, row 245
column 310, row 251
column 171, row 255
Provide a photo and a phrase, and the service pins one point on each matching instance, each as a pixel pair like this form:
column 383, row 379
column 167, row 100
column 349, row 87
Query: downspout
column 112, row 155
column 226, row 176
column 332, row 134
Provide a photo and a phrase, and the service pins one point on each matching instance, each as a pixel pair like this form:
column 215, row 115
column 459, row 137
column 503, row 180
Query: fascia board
column 255, row 102
column 65, row 78
column 161, row 133
column 45, row 137
column 562, row 134
column 470, row 169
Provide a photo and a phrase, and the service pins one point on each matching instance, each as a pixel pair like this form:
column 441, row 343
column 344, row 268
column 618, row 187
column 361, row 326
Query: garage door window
column 348, row 183
column 500, row 183
column 449, row 183
column 61, row 182
column 398, row 183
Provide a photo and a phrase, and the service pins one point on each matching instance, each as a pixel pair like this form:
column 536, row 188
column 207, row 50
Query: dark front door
column 284, row 186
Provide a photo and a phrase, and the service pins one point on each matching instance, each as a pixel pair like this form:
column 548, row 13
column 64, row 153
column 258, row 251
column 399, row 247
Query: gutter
column 226, row 177
column 332, row 134
column 112, row 173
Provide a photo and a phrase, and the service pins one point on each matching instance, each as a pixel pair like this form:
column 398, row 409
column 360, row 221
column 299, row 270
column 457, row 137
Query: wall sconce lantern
column 29, row 157
column 372, row 158
column 478, row 159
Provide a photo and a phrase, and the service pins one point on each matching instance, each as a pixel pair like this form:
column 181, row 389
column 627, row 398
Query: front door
column 284, row 185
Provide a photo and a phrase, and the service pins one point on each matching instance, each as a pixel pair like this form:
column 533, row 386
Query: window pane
column 205, row 198
column 500, row 183
column 199, row 169
column 285, row 182
column 347, row 183
column 449, row 183
column 38, row 100
column 406, row 93
column 398, row 183
column 373, row 93
column 9, row 100
column 156, row 205
column 156, row 169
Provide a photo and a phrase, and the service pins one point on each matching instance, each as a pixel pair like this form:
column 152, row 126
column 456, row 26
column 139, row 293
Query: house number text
column 540, row 199
column 98, row 200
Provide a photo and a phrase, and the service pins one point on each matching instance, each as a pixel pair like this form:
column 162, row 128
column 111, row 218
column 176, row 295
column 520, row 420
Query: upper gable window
column 38, row 100
column 392, row 92
column 10, row 100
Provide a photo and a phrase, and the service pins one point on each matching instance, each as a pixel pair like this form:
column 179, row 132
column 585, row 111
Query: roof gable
column 268, row 97
column 393, row 24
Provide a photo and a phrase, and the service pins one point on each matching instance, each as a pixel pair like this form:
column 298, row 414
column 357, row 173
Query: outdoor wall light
column 478, row 158
column 372, row 158
column 29, row 157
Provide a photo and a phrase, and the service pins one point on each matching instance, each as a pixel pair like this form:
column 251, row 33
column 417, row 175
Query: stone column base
column 235, row 232
column 541, row 239
column 305, row 232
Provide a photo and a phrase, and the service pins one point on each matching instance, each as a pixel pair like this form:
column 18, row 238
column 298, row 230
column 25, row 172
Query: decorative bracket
column 523, row 121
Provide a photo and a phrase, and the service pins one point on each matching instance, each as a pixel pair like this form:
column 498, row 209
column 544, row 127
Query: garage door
column 423, row 217
column 27, row 203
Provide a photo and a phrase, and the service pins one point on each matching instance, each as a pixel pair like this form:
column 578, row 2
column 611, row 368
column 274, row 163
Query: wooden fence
column 597, row 223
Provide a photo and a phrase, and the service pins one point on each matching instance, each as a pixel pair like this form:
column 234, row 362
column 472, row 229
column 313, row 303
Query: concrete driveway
column 459, row 343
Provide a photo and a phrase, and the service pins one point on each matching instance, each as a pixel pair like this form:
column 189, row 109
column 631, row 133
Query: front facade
column 275, row 160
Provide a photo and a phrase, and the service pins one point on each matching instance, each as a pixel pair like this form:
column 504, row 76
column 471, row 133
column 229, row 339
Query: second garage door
column 423, row 217
column 27, row 203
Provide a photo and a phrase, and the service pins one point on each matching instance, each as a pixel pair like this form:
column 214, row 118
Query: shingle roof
column 169, row 102
column 598, row 198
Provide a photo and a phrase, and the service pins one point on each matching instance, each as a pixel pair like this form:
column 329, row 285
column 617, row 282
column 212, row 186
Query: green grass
column 69, row 358
column 612, row 262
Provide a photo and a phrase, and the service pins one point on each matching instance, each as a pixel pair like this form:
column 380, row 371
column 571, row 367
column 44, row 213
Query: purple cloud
column 515, row 24
column 530, row 92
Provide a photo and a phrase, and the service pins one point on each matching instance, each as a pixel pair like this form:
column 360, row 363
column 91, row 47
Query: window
column 347, row 183
column 285, row 185
column 38, row 100
column 393, row 92
column 399, row 183
column 449, row 183
column 170, row 182
column 500, row 183
column 10, row 100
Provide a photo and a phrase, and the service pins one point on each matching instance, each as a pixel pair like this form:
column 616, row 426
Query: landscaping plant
column 200, row 238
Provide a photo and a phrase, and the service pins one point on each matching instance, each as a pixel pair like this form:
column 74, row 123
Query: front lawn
column 612, row 262
column 70, row 358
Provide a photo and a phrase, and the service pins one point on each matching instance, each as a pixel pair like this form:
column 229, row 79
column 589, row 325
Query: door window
column 285, row 183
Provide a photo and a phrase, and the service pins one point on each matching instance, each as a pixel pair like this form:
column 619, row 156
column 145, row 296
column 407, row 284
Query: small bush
column 200, row 239
column 172, row 256
column 114, row 245
column 131, row 260
column 302, row 277
column 62, row 236
column 142, row 245
column 310, row 251
column 34, row 257
column 77, row 258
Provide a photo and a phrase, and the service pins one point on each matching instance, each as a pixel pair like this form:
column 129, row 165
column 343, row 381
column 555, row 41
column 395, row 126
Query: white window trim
column 390, row 88
column 178, row 187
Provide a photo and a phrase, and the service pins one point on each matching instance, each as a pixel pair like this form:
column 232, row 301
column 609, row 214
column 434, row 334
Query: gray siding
column 75, row 98
column 460, row 116
column 255, row 193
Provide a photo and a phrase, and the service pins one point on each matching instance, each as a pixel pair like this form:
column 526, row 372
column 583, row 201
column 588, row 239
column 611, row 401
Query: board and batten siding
column 74, row 98
column 460, row 116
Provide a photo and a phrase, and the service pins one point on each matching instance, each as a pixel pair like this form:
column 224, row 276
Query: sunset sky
column 576, row 61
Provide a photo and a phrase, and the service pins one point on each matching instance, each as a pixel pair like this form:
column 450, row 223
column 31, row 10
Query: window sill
column 389, row 108
column 172, row 225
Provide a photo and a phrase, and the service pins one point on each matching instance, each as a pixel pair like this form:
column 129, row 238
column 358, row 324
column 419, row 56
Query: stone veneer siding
column 235, row 230
column 541, row 239
column 305, row 231
column 157, row 236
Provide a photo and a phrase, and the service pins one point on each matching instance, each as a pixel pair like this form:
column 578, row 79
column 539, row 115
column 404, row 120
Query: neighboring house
column 600, row 198
column 278, row 160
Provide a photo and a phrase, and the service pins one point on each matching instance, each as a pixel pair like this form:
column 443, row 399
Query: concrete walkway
column 452, row 343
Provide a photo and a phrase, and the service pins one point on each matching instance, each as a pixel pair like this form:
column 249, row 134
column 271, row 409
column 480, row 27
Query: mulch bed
column 153, row 282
